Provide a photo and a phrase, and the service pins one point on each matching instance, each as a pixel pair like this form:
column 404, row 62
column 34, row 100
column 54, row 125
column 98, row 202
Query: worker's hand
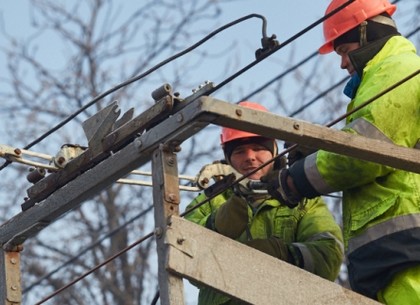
column 297, row 153
column 231, row 218
column 272, row 246
column 277, row 187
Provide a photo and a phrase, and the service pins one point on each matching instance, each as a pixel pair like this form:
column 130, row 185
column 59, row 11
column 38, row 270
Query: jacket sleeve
column 325, row 172
column 392, row 118
column 319, row 241
column 201, row 214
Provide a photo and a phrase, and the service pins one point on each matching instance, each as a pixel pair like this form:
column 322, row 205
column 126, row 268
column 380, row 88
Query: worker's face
column 246, row 158
column 343, row 51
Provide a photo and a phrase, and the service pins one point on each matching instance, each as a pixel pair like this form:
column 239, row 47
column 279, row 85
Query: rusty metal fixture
column 161, row 92
column 67, row 153
column 36, row 174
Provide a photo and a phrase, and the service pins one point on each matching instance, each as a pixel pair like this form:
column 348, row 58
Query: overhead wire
column 129, row 247
column 238, row 180
column 339, row 119
column 142, row 75
column 123, row 84
column 151, row 70
column 92, row 102
column 299, row 64
column 86, row 249
column 330, row 124
column 187, row 50
column 392, row 87
column 241, row 178
column 280, row 46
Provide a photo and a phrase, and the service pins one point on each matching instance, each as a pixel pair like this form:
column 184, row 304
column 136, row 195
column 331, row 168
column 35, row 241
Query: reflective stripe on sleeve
column 308, row 261
column 314, row 176
column 367, row 129
column 394, row 225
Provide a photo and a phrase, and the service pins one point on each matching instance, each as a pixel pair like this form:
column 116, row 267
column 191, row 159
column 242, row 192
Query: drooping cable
column 142, row 75
column 223, row 83
column 129, row 247
column 278, row 77
column 305, row 60
column 268, row 53
column 85, row 250
column 287, row 150
column 276, row 48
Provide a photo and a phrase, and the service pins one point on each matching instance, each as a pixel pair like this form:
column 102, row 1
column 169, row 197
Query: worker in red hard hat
column 381, row 205
column 306, row 236
column 231, row 139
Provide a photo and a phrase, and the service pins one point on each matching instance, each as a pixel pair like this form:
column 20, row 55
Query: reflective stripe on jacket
column 309, row 230
column 381, row 205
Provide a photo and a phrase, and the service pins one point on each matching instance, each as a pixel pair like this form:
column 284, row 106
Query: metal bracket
column 100, row 125
column 12, row 275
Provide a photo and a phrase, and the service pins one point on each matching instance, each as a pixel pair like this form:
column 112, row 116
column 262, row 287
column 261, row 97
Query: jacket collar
column 361, row 56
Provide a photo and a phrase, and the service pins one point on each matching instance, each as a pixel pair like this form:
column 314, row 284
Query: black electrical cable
column 156, row 297
column 330, row 124
column 268, row 162
column 316, row 98
column 311, row 56
column 267, row 84
column 276, row 48
column 85, row 250
column 138, row 77
column 129, row 247
column 92, row 102
column 223, row 83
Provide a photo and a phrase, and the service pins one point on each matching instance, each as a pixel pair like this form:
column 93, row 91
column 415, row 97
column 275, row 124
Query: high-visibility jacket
column 381, row 205
column 309, row 230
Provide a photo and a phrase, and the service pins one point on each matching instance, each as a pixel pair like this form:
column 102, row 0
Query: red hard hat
column 350, row 17
column 229, row 134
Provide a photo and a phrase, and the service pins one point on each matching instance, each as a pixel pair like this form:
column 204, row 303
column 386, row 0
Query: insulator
column 161, row 92
column 35, row 174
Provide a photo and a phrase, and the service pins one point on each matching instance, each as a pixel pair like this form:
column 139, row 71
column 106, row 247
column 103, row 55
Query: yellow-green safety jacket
column 381, row 205
column 313, row 237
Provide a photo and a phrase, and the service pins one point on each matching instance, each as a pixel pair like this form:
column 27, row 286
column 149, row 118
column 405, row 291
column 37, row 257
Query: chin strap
column 362, row 33
column 378, row 19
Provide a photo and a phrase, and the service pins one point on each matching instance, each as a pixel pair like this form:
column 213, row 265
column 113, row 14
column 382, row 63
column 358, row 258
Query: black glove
column 272, row 246
column 231, row 218
column 277, row 187
column 299, row 152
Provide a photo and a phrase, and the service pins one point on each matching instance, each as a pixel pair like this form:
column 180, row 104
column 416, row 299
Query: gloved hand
column 277, row 187
column 231, row 218
column 298, row 153
column 272, row 246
